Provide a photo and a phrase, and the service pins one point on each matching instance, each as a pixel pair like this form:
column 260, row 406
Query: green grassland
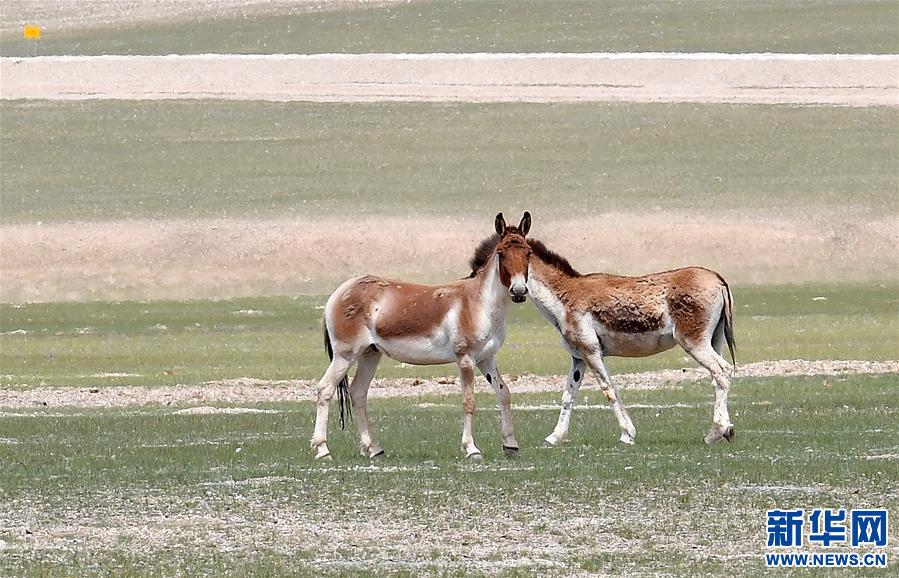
column 187, row 159
column 75, row 344
column 591, row 505
column 815, row 26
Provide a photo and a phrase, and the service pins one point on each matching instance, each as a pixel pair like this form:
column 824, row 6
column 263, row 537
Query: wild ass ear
column 525, row 225
column 500, row 224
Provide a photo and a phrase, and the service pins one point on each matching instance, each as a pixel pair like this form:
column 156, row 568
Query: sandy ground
column 249, row 390
column 853, row 80
column 174, row 259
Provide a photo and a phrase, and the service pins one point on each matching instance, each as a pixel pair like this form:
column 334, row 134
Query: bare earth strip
column 849, row 80
column 180, row 259
column 249, row 390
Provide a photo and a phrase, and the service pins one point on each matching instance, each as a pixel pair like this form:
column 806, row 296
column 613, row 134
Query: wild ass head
column 513, row 253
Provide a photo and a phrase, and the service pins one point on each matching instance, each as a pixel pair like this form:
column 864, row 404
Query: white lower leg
column 504, row 399
column 466, row 368
column 367, row 445
column 721, row 415
column 468, row 447
column 320, row 433
column 569, row 398
column 365, row 371
column 507, row 432
column 326, row 387
column 707, row 357
column 628, row 431
column 560, row 432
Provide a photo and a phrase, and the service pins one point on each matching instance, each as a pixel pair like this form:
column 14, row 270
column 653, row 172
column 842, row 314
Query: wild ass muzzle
column 462, row 322
column 601, row 315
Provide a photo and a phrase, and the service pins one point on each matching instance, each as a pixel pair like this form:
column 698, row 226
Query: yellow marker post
column 33, row 33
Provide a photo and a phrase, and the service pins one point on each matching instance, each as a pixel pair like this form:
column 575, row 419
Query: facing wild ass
column 600, row 315
column 462, row 322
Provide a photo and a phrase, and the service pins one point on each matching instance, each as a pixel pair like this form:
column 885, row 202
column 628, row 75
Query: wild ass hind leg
column 466, row 373
column 326, row 386
column 610, row 390
column 504, row 398
column 576, row 376
column 365, row 371
column 706, row 355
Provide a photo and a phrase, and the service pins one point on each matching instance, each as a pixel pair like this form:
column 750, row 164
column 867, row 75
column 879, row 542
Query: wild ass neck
column 494, row 296
column 544, row 282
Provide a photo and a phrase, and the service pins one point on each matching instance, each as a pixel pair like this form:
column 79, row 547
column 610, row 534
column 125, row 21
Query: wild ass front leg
column 466, row 372
column 610, row 390
column 569, row 398
column 504, row 398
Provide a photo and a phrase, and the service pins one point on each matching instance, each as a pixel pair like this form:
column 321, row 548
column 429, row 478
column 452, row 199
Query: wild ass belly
column 435, row 349
column 619, row 344
column 442, row 344
column 428, row 350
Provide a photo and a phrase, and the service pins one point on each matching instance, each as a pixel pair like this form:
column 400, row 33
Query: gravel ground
column 250, row 390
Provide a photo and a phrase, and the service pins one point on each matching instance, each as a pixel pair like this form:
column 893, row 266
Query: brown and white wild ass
column 601, row 315
column 462, row 322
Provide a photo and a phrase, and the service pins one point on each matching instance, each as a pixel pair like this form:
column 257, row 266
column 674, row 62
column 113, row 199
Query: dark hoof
column 378, row 456
column 714, row 436
column 729, row 433
column 510, row 451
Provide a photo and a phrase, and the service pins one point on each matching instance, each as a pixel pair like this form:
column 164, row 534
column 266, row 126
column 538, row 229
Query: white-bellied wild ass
column 462, row 322
column 601, row 315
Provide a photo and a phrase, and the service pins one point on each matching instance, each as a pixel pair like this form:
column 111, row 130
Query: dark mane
column 486, row 248
column 482, row 253
column 552, row 258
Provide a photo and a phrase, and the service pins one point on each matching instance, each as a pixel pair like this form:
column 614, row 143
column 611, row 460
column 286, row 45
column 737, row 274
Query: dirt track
column 853, row 80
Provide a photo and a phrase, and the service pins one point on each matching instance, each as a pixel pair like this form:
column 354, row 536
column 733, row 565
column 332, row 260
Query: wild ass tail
column 343, row 390
column 727, row 317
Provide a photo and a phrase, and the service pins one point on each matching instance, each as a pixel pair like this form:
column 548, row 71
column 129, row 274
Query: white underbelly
column 431, row 350
column 635, row 344
column 436, row 349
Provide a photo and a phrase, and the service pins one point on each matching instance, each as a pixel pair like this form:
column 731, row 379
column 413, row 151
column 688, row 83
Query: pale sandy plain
column 178, row 259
